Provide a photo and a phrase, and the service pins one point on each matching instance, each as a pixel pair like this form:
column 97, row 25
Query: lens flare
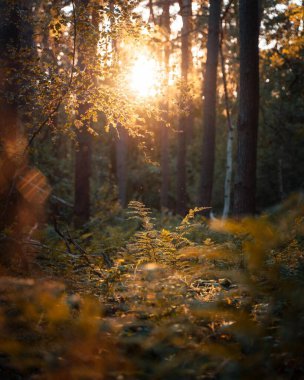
column 33, row 186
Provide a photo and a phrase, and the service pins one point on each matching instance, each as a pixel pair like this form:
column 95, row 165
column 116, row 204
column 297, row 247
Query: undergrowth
column 129, row 298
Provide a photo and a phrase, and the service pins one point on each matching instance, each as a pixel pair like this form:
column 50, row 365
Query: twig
column 68, row 240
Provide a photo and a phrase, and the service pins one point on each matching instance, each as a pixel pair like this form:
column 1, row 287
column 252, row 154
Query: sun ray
column 145, row 77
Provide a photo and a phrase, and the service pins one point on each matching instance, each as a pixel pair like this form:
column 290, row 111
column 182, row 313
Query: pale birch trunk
column 230, row 138
column 228, row 178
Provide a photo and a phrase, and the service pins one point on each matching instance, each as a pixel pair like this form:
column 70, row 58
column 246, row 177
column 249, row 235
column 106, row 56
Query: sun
column 145, row 77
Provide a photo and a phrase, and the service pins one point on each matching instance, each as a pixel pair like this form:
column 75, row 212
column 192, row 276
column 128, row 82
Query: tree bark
column 230, row 137
column 83, row 157
column 181, row 196
column 10, row 39
column 280, row 178
column 83, row 154
column 245, row 185
column 209, row 106
column 16, row 44
column 228, row 176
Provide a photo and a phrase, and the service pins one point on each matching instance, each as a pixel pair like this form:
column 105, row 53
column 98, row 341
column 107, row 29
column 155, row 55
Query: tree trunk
column 228, row 177
column 83, row 159
column 230, row 137
column 16, row 43
column 280, row 178
column 121, row 164
column 181, row 196
column 83, row 154
column 164, row 160
column 245, row 186
column 10, row 40
column 209, row 107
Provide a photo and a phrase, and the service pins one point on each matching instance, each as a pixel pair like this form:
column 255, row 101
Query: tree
column 230, row 128
column 83, row 155
column 164, row 161
column 9, row 40
column 17, row 195
column 97, row 93
column 181, row 193
column 209, row 106
column 280, row 137
column 247, row 128
column 121, row 163
column 82, row 175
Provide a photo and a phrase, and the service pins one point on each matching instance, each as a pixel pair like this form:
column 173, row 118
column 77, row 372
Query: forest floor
column 159, row 299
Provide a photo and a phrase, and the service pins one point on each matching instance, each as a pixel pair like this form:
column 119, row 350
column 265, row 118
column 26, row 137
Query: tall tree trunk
column 228, row 176
column 15, row 34
column 245, row 186
column 17, row 207
column 181, row 194
column 10, row 40
column 121, row 164
column 280, row 177
column 83, row 154
column 209, row 107
column 83, row 159
column 230, row 136
column 164, row 160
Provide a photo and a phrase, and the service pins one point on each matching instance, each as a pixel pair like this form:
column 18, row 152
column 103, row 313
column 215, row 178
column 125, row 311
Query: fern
column 153, row 245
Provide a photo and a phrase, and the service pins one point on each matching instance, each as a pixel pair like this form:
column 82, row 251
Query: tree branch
column 65, row 92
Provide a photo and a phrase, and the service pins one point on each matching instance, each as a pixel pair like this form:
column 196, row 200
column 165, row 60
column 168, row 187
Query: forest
column 151, row 189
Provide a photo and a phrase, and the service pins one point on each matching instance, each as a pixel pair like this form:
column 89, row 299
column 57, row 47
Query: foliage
column 171, row 308
column 139, row 294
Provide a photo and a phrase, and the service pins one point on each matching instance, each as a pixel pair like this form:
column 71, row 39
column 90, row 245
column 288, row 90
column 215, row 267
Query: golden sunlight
column 145, row 77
